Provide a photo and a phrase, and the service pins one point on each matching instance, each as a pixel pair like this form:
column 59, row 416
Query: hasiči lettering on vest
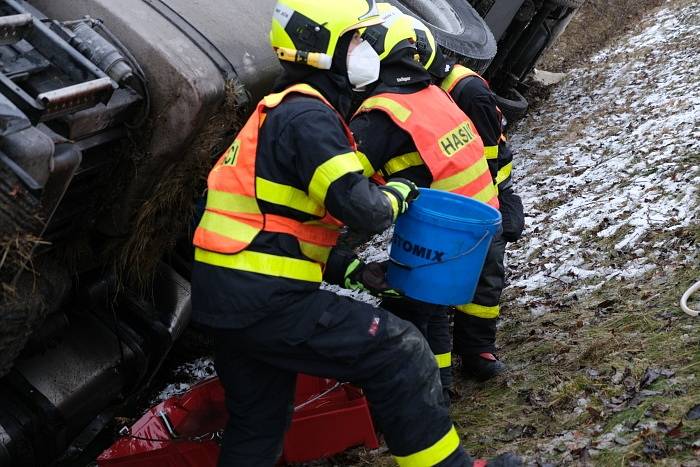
column 456, row 139
column 232, row 155
column 417, row 250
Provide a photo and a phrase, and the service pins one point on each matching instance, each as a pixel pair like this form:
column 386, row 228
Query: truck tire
column 514, row 106
column 568, row 3
column 456, row 25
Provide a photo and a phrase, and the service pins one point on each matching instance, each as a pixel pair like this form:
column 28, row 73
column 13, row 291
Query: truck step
column 14, row 27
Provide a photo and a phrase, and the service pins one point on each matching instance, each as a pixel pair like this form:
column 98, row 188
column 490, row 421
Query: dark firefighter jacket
column 296, row 138
column 476, row 99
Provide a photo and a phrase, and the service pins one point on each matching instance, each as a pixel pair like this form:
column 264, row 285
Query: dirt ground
column 593, row 27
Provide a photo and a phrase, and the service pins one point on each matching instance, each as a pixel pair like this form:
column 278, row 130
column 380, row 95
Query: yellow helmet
column 395, row 32
column 431, row 57
column 307, row 31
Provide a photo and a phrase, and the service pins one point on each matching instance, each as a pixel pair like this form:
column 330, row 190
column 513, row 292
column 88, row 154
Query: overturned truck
column 111, row 114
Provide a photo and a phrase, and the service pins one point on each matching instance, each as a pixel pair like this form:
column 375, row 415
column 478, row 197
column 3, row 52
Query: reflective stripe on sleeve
column 330, row 171
column 504, row 172
column 285, row 195
column 368, row 170
column 480, row 311
column 400, row 112
column 434, row 454
column 491, row 152
column 403, row 162
column 444, row 360
column 263, row 263
column 394, row 204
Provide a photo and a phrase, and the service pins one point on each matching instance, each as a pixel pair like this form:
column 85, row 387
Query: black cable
column 138, row 71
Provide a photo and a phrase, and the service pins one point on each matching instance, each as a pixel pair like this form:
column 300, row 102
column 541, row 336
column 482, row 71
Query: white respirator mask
column 363, row 65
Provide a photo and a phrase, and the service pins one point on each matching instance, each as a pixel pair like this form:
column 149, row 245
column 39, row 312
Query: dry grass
column 167, row 200
column 596, row 24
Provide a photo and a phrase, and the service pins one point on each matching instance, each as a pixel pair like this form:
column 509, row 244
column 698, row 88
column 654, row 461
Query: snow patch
column 611, row 162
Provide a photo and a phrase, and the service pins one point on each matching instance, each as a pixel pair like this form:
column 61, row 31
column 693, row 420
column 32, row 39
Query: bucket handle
column 468, row 252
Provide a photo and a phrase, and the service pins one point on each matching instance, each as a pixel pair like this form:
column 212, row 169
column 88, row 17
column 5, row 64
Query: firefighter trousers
column 351, row 341
column 433, row 322
column 475, row 323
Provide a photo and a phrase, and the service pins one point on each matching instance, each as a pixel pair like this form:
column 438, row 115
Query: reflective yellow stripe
column 403, row 162
column 228, row 227
column 397, row 110
column 504, row 172
column 460, row 179
column 491, row 152
column 274, row 100
column 433, row 455
column 224, row 201
column 480, row 311
column 330, row 171
column 486, row 194
column 317, row 253
column 286, row 195
column 263, row 263
column 368, row 170
column 457, row 73
column 444, row 360
column 394, row 203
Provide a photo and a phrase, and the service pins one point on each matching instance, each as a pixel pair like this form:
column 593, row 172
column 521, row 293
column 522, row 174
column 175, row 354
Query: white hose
column 684, row 300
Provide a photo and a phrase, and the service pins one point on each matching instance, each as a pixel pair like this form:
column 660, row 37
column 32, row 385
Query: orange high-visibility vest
column 232, row 217
column 446, row 140
column 457, row 74
column 451, row 81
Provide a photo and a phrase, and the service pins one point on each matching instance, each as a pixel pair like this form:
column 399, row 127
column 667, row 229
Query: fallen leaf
column 622, row 441
column 606, row 304
column 660, row 408
column 676, row 431
column 595, row 414
column 654, row 448
column 652, row 374
column 694, row 413
column 617, row 377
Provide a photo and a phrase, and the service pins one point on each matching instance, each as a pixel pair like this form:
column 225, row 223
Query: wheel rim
column 437, row 13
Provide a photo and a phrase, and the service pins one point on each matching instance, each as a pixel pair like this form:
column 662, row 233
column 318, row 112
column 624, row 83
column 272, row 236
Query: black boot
column 482, row 367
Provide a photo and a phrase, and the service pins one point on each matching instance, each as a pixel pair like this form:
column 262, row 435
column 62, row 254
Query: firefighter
column 407, row 127
column 474, row 333
column 276, row 199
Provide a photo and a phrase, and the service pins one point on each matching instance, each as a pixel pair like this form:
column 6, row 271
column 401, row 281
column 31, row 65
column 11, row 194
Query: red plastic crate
column 329, row 419
column 329, row 425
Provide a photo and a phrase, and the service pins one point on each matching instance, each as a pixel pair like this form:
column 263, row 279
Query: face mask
column 363, row 65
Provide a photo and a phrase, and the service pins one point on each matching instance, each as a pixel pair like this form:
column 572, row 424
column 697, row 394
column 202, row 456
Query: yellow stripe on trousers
column 444, row 360
column 434, row 454
column 480, row 311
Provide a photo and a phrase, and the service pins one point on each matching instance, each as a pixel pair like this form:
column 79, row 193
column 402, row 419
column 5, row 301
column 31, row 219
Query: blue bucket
column 439, row 247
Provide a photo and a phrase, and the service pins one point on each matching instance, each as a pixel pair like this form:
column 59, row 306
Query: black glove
column 403, row 190
column 369, row 277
